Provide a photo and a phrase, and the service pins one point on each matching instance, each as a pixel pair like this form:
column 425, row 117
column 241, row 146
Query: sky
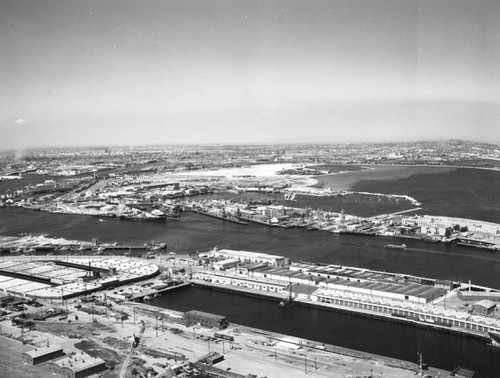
column 123, row 72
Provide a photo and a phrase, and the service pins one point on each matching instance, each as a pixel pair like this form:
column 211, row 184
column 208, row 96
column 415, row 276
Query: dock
column 152, row 293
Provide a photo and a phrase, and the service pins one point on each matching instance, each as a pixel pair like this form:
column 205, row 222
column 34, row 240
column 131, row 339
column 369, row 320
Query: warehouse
column 484, row 307
column 205, row 319
column 77, row 366
column 39, row 355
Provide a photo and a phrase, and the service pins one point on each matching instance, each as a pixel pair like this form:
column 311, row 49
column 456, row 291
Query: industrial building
column 39, row 355
column 79, row 365
column 72, row 276
column 205, row 319
column 484, row 307
column 242, row 281
column 245, row 256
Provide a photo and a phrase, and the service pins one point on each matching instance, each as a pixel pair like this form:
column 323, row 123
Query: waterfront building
column 438, row 224
column 398, row 297
column 245, row 256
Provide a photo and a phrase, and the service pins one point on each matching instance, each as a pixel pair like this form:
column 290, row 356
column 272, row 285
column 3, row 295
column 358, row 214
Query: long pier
column 155, row 293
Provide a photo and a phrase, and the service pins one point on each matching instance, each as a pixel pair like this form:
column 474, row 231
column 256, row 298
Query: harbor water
column 199, row 233
column 395, row 340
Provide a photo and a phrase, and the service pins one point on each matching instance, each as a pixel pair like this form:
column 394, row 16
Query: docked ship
column 396, row 246
column 155, row 215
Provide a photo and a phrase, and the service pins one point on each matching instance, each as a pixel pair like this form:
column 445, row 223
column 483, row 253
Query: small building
column 211, row 359
column 484, row 307
column 205, row 319
column 120, row 316
column 39, row 355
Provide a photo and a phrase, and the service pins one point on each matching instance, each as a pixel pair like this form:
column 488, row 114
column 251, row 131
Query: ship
column 155, row 215
column 495, row 338
column 396, row 246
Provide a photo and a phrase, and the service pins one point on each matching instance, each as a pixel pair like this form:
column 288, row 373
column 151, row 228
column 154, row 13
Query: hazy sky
column 167, row 71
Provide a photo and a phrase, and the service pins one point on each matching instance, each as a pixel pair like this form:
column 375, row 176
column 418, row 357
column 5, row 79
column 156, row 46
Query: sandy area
column 264, row 173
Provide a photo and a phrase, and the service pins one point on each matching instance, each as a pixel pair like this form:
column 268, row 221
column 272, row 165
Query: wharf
column 260, row 222
column 155, row 293
column 389, row 313
column 237, row 289
column 123, row 247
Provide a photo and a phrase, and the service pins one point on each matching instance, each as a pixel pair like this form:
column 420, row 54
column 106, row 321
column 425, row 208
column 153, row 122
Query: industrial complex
column 113, row 283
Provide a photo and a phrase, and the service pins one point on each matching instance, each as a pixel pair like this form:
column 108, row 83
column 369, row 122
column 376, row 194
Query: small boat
column 396, row 246
column 495, row 338
column 287, row 302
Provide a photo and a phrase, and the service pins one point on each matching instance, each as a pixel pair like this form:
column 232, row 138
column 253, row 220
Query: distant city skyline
column 123, row 72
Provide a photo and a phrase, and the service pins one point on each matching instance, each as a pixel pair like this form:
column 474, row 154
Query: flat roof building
column 248, row 256
column 79, row 365
column 205, row 319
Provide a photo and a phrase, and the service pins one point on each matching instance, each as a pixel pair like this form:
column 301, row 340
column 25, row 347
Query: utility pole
column 420, row 374
column 22, row 324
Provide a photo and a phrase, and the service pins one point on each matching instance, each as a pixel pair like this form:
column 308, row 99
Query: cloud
column 20, row 121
